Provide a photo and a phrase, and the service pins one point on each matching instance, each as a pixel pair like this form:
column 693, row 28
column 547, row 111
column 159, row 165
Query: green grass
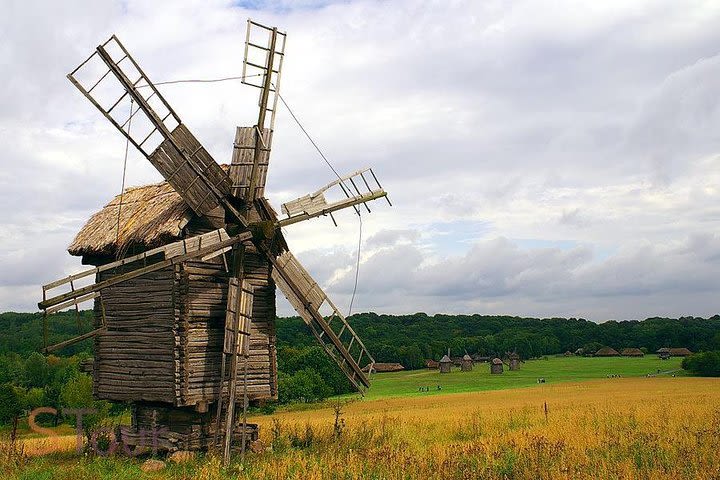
column 554, row 370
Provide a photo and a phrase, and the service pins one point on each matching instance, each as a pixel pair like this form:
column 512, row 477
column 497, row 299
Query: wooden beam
column 142, row 271
column 73, row 341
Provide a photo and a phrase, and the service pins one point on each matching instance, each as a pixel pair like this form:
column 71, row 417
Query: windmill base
column 158, row 427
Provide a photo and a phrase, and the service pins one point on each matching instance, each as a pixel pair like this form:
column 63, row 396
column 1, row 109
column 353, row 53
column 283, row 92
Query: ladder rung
column 261, row 67
column 149, row 135
column 264, row 48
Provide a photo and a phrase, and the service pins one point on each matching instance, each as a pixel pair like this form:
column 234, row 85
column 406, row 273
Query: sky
column 543, row 158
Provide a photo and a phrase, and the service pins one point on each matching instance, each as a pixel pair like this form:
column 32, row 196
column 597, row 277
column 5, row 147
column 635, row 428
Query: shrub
column 706, row 364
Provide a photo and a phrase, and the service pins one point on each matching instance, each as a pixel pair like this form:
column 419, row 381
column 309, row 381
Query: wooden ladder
column 237, row 332
column 332, row 331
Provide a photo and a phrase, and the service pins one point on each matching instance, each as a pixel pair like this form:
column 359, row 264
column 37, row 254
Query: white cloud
column 543, row 158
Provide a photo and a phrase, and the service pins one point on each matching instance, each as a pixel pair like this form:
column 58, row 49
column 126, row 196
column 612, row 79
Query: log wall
column 136, row 358
column 203, row 300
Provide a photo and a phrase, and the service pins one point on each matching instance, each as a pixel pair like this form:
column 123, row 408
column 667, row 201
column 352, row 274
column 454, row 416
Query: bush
column 705, row 364
column 305, row 385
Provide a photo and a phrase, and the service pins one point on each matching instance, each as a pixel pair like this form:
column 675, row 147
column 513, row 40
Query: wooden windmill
column 185, row 271
column 512, row 360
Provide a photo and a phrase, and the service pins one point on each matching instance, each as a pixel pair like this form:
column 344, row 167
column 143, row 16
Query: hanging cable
column 359, row 251
column 202, row 80
column 122, row 188
column 309, row 137
column 357, row 266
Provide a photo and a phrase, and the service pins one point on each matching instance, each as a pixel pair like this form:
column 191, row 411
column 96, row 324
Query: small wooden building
column 663, row 353
column 632, row 352
column 445, row 364
column 607, row 352
column 432, row 364
column 514, row 362
column 467, row 363
column 496, row 366
column 384, row 367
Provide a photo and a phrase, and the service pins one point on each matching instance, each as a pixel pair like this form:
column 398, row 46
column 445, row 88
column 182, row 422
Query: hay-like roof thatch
column 680, row 352
column 632, row 352
column 607, row 352
column 467, row 358
column 150, row 216
column 385, row 367
column 497, row 361
column 663, row 350
column 445, row 359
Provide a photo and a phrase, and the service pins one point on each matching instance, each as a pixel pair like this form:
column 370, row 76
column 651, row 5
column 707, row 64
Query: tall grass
column 612, row 429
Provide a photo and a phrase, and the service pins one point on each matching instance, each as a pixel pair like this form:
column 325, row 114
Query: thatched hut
column 445, row 364
column 632, row 352
column 432, row 364
column 569, row 354
column 607, row 352
column 496, row 366
column 680, row 352
column 663, row 353
column 384, row 367
column 467, row 363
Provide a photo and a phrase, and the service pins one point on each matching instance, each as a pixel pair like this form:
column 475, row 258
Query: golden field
column 641, row 428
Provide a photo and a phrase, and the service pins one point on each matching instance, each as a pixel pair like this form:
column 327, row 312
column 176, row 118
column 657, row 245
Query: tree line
column 411, row 339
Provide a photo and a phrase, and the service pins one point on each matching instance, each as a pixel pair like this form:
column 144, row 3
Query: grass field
column 553, row 370
column 635, row 428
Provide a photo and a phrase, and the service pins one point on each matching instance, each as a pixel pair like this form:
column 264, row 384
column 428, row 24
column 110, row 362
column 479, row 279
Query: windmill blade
column 316, row 204
column 128, row 98
column 201, row 246
column 245, row 149
column 262, row 68
column 333, row 332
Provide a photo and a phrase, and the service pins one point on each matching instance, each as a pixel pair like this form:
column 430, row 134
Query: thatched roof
column 663, row 350
column 497, row 361
column 467, row 358
column 680, row 352
column 632, row 352
column 429, row 363
column 150, row 216
column 385, row 367
column 607, row 352
column 445, row 359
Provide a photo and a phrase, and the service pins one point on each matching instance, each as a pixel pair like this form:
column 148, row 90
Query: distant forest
column 307, row 374
column 410, row 339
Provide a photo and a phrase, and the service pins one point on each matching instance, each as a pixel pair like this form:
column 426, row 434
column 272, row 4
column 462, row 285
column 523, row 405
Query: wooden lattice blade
column 115, row 84
column 333, row 332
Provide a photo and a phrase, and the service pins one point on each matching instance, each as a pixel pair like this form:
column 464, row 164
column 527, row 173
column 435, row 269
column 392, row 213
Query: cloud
column 542, row 158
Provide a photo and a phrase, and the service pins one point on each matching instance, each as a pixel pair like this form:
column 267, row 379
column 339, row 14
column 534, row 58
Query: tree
column 10, row 405
column 36, row 371
column 11, row 368
column 706, row 364
column 305, row 385
column 77, row 394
